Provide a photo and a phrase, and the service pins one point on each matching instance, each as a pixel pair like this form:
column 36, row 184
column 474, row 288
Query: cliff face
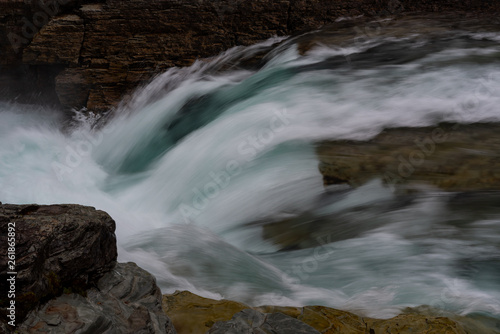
column 80, row 53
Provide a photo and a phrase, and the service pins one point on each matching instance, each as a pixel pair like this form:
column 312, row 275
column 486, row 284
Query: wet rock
column 451, row 157
column 125, row 300
column 194, row 314
column 57, row 247
column 335, row 216
column 264, row 319
column 253, row 322
column 328, row 320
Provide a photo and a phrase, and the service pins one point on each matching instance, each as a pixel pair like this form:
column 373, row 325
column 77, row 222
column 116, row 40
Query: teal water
column 202, row 157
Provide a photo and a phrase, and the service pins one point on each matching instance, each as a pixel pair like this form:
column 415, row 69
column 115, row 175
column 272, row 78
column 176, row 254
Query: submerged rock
column 253, row 322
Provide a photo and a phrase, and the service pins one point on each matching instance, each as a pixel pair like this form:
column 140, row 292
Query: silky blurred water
column 193, row 166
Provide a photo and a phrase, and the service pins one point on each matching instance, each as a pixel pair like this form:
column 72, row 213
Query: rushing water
column 199, row 159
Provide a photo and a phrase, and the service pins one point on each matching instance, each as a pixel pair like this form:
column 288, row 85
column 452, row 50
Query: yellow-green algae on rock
column 193, row 314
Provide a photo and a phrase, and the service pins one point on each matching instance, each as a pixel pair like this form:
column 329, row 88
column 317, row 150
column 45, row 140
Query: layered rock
column 57, row 247
column 193, row 314
column 125, row 300
column 452, row 157
column 90, row 53
column 66, row 279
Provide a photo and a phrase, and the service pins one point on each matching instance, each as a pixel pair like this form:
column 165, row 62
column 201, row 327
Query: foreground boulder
column 67, row 277
column 57, row 247
column 194, row 314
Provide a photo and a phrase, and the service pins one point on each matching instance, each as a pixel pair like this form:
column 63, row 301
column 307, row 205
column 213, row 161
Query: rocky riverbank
column 194, row 314
column 68, row 281
column 84, row 53
column 67, row 277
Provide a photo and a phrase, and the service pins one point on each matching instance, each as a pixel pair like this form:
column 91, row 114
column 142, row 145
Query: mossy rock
column 195, row 315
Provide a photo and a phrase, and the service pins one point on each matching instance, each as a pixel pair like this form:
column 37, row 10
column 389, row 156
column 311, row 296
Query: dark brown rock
column 57, row 247
column 63, row 33
column 81, row 53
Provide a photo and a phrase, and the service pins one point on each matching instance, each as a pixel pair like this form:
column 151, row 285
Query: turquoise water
column 202, row 157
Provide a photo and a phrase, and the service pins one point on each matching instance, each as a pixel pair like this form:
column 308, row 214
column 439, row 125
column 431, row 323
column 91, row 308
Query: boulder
column 57, row 248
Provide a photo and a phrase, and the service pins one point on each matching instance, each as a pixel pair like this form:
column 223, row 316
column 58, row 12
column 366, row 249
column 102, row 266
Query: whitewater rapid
column 202, row 153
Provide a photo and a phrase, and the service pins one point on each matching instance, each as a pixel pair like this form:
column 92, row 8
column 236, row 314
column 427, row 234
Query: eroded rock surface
column 452, row 157
column 253, row 322
column 125, row 300
column 194, row 314
column 90, row 53
column 57, row 247
column 191, row 313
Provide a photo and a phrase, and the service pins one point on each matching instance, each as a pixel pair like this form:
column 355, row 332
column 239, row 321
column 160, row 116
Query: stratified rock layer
column 90, row 53
column 57, row 247
column 452, row 157
column 125, row 300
